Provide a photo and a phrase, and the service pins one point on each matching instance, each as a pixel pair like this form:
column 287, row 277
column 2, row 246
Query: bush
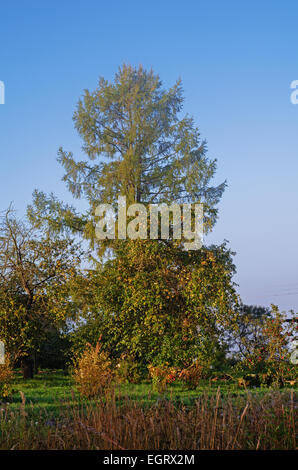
column 6, row 376
column 269, row 360
column 281, row 373
column 128, row 370
column 192, row 375
column 92, row 372
column 249, row 380
column 161, row 376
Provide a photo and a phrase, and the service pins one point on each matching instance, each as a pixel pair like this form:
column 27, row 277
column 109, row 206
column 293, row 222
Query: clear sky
column 236, row 60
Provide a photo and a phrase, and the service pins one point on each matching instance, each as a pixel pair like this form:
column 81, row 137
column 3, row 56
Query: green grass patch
column 52, row 391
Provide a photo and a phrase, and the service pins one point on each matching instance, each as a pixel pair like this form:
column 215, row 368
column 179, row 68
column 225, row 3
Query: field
column 48, row 413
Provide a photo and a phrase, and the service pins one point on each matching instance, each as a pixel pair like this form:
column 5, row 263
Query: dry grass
column 216, row 422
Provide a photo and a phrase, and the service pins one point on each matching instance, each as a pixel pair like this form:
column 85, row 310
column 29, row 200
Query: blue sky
column 236, row 61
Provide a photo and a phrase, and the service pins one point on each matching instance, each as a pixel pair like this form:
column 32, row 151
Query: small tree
column 35, row 275
column 276, row 351
column 92, row 372
column 249, row 336
column 268, row 352
column 159, row 304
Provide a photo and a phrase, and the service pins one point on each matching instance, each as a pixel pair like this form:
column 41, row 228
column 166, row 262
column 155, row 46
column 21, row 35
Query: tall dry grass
column 218, row 422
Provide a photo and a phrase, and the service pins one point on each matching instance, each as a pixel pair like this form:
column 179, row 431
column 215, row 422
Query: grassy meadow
column 47, row 412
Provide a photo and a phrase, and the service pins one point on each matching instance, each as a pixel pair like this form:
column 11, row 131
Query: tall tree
column 136, row 144
column 35, row 271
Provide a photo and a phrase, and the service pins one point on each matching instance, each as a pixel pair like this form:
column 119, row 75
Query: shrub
column 6, row 376
column 270, row 358
column 162, row 376
column 250, row 380
column 128, row 370
column 92, row 372
column 280, row 373
column 192, row 375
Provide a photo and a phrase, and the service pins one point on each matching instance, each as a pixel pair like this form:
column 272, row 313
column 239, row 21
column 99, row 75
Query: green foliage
column 54, row 351
column 249, row 336
column 88, row 328
column 149, row 299
column 268, row 356
column 136, row 145
column 152, row 302
column 161, row 376
column 160, row 304
column 128, row 370
column 35, row 275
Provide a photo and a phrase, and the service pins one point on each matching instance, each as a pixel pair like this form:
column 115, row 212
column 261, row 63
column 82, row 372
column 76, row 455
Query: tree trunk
column 27, row 367
column 35, row 364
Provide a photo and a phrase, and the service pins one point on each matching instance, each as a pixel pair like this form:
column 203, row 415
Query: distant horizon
column 237, row 64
